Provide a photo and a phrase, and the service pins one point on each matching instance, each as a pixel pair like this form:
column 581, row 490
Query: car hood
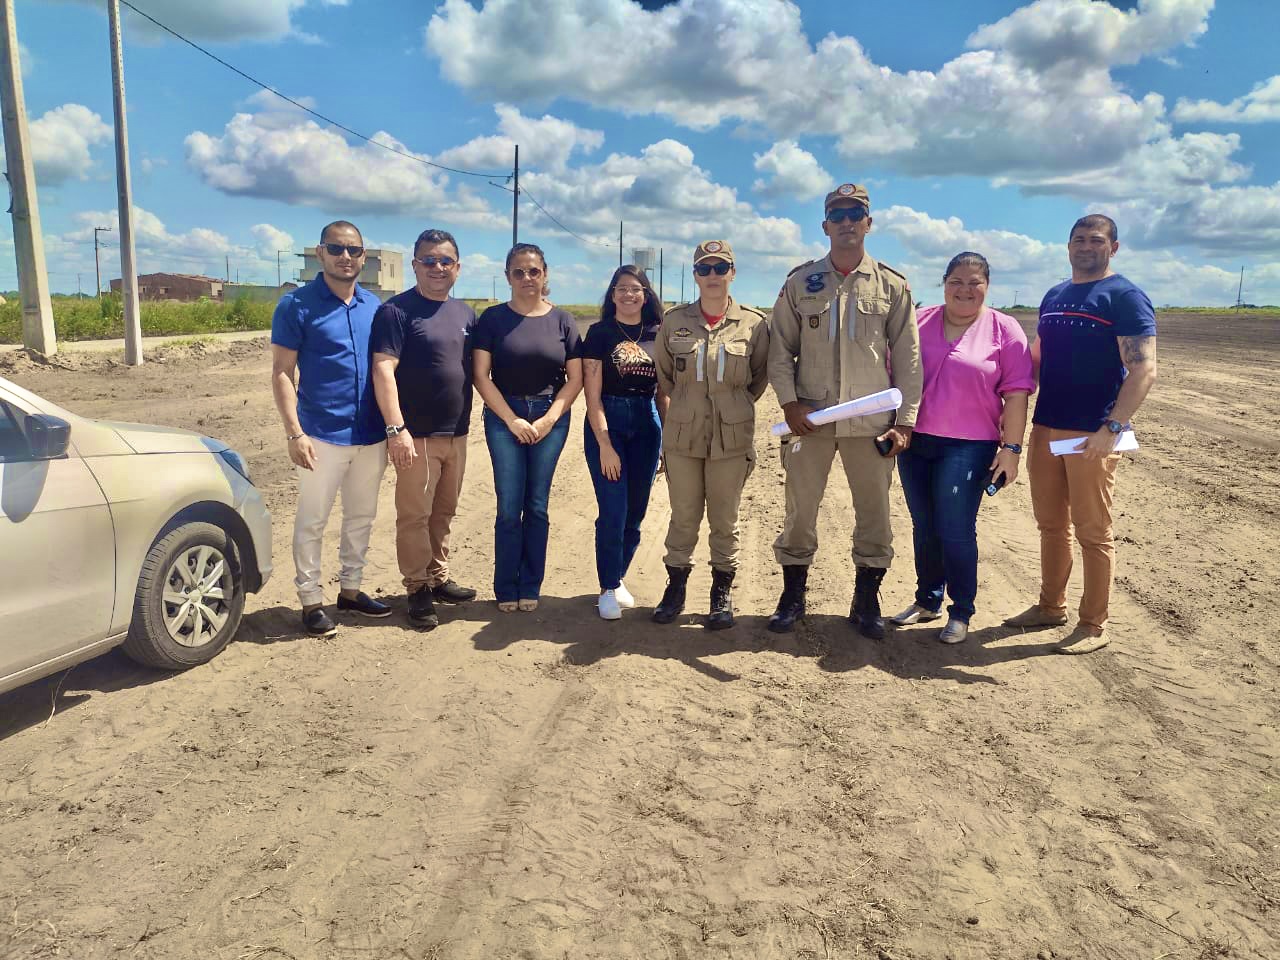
column 146, row 438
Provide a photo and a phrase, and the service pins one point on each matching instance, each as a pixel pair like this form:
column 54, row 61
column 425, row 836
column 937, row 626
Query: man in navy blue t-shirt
column 320, row 333
column 421, row 346
column 1095, row 356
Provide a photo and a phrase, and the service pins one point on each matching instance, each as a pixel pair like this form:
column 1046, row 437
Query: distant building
column 383, row 273
column 256, row 291
column 175, row 286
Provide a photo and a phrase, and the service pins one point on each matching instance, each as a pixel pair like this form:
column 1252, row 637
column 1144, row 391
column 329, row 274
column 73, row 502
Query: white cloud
column 1236, row 220
column 792, row 172
column 61, row 143
column 546, row 142
column 269, row 241
column 750, row 61
column 1259, row 105
column 282, row 157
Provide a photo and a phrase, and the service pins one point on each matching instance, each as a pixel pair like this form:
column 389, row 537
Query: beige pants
column 807, row 462
column 426, row 501
column 1069, row 492
column 695, row 485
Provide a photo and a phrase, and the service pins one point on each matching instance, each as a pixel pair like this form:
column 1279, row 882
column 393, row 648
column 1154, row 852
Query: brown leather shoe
column 1083, row 639
column 1036, row 616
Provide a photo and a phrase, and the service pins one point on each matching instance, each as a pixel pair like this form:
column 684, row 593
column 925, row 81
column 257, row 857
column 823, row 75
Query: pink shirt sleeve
column 1015, row 356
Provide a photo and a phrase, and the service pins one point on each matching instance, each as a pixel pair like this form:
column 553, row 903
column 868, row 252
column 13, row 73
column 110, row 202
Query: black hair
column 432, row 236
column 339, row 225
column 968, row 259
column 520, row 248
column 650, row 313
column 1092, row 222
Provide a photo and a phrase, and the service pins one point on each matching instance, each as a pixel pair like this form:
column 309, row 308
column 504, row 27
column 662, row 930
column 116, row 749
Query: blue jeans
column 636, row 435
column 943, row 480
column 522, row 475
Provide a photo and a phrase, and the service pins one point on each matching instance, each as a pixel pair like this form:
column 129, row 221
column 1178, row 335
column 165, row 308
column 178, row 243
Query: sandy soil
column 546, row 785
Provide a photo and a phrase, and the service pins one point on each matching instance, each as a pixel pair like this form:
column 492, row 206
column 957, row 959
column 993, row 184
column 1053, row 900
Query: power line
column 304, row 107
column 533, row 200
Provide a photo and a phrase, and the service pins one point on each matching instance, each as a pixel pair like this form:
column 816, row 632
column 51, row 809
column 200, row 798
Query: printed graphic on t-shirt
column 630, row 359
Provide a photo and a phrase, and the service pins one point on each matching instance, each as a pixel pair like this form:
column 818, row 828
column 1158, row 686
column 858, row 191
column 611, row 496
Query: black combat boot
column 865, row 612
column 672, row 603
column 791, row 604
column 721, row 615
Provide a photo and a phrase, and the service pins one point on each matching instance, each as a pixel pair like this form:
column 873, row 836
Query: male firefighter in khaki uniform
column 712, row 357
column 843, row 327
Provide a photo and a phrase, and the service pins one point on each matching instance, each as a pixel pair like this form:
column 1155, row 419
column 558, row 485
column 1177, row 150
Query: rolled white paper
column 867, row 406
column 1060, row 448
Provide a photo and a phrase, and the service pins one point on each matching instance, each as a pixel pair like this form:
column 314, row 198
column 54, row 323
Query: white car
column 119, row 533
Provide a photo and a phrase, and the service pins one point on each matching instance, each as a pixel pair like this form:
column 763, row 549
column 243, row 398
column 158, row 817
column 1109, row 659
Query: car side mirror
column 48, row 436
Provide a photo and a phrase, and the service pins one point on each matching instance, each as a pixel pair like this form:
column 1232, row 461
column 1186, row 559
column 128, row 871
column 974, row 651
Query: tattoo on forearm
column 1135, row 350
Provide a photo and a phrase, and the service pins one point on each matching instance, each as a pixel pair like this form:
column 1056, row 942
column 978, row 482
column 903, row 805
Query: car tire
column 189, row 600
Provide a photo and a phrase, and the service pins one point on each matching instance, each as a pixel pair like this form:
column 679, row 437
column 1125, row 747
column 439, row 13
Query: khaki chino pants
column 426, row 501
column 698, row 484
column 807, row 462
column 1069, row 492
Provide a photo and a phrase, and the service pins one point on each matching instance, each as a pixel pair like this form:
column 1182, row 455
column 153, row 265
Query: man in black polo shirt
column 421, row 344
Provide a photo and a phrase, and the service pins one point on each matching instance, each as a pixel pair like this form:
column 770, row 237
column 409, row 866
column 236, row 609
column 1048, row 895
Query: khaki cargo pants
column 807, row 462
column 698, row 484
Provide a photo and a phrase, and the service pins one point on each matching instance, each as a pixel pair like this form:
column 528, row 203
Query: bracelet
column 296, row 436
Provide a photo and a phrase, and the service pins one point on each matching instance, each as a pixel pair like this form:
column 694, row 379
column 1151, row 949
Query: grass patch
column 88, row 319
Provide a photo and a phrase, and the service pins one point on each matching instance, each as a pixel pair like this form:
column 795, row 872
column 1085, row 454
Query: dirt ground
column 550, row 786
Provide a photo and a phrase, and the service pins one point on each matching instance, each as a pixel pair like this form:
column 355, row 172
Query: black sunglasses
column 705, row 269
column 837, row 214
column 336, row 249
column 432, row 261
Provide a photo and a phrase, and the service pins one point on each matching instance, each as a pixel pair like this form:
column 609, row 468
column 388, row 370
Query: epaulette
column 885, row 266
column 758, row 312
column 673, row 309
column 794, row 270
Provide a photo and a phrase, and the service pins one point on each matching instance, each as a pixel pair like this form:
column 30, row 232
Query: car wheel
column 190, row 598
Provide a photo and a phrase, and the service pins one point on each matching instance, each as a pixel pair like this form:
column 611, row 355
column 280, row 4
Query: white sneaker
column 914, row 614
column 954, row 632
column 608, row 605
column 625, row 599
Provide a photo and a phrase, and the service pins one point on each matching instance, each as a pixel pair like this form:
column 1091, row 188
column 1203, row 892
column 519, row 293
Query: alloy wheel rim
column 198, row 591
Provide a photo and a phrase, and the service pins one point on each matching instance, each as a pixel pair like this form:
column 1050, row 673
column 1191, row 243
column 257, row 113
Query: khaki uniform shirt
column 836, row 338
column 714, row 376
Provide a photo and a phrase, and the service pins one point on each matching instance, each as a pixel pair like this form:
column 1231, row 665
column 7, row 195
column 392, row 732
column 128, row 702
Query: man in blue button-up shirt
column 320, row 337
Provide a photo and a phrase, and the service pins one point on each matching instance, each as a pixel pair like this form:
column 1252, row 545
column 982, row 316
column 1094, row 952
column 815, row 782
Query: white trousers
column 357, row 472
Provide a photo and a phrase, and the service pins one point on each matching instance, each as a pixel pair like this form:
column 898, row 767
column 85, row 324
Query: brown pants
column 1067, row 492
column 807, row 462
column 426, row 501
column 695, row 485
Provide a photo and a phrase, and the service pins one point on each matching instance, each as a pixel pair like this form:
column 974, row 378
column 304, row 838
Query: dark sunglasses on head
column 533, row 273
column 837, row 214
column 432, row 261
column 705, row 269
column 336, row 249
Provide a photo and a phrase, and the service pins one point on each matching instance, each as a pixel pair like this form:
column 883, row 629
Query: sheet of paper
column 873, row 403
column 1061, row 448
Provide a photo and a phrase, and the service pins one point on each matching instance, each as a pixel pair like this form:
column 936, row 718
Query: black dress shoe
column 422, row 613
column 318, row 623
column 364, row 605
column 450, row 592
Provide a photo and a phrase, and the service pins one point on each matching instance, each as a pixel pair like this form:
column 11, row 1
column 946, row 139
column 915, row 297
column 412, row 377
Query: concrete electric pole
column 97, row 266
column 124, row 191
column 28, row 241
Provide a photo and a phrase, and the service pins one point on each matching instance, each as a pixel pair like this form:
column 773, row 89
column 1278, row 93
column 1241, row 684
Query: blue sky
column 981, row 125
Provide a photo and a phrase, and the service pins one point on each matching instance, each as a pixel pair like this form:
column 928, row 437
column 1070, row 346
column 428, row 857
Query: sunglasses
column 631, row 291
column 838, row 214
column 720, row 269
column 432, row 261
column 336, row 249
column 520, row 273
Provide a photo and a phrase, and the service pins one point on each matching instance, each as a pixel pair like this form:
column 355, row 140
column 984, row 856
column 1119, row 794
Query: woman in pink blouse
column 977, row 377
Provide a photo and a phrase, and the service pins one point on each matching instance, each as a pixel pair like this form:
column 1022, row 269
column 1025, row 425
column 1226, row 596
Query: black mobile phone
column 994, row 483
column 884, row 445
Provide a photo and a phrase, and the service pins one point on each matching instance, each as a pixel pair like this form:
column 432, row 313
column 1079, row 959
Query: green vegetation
column 75, row 319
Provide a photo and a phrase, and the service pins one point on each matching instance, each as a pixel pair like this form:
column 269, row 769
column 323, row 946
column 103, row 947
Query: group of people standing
column 676, row 393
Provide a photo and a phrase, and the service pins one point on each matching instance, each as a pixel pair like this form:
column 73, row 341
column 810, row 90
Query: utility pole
column 226, row 277
column 78, row 293
column 515, row 202
column 97, row 268
column 28, row 240
column 124, row 190
column 682, row 283
column 619, row 243
column 1240, row 291
column 495, row 289
column 659, row 275
column 279, row 281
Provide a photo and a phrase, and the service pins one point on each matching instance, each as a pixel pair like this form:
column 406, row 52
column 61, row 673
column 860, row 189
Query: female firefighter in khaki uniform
column 712, row 357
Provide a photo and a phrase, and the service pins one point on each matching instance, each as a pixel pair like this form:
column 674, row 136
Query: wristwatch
column 392, row 431
column 1015, row 448
column 1115, row 426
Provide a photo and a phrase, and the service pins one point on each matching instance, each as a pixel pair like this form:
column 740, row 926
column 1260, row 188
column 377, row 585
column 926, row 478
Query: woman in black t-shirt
column 624, row 414
column 528, row 372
